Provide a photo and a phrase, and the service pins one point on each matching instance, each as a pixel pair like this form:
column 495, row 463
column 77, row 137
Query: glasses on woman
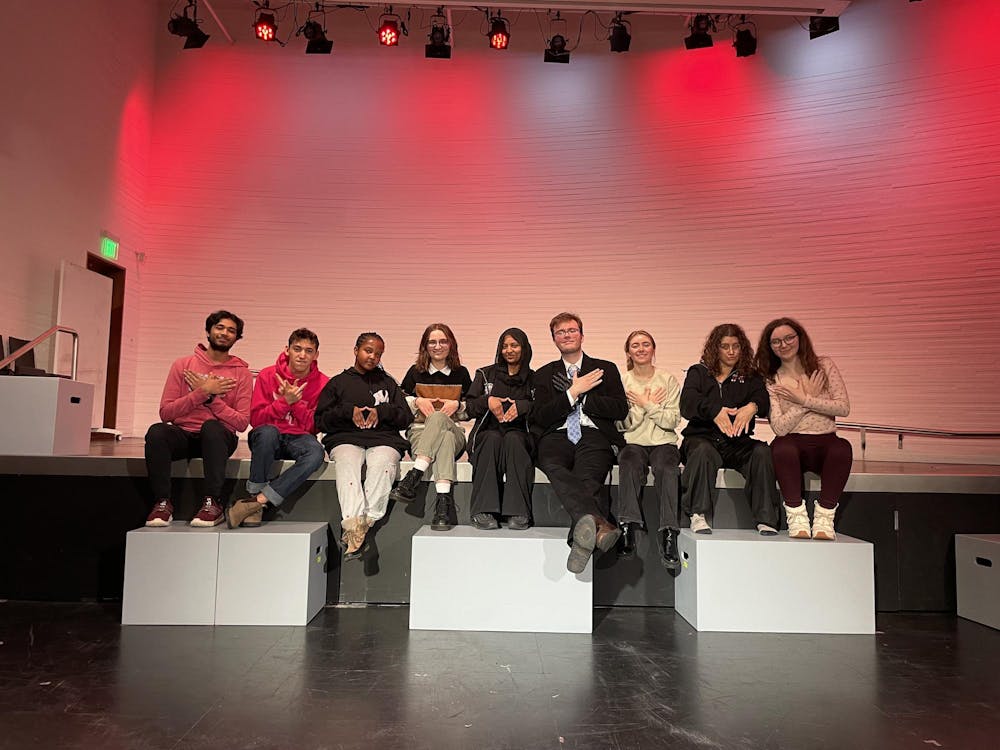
column 784, row 341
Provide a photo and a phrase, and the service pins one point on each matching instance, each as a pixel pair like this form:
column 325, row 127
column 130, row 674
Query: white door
column 85, row 306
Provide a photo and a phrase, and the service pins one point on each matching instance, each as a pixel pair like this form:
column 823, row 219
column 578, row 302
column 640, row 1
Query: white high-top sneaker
column 798, row 521
column 823, row 522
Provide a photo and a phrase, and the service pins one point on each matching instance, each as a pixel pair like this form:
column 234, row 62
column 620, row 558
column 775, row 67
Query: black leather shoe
column 442, row 512
column 669, row 555
column 406, row 490
column 518, row 523
column 485, row 521
column 626, row 544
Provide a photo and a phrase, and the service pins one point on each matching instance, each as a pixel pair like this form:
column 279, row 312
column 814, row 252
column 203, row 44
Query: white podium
column 740, row 581
column 271, row 575
column 977, row 577
column 499, row 580
column 182, row 575
column 42, row 416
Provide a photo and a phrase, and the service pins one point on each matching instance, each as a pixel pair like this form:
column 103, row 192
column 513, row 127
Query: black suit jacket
column 604, row 404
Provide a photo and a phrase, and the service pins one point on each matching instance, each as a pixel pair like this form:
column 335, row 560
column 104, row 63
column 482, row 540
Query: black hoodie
column 494, row 380
column 335, row 410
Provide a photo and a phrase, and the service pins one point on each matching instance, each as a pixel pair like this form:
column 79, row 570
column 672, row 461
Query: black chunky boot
column 406, row 490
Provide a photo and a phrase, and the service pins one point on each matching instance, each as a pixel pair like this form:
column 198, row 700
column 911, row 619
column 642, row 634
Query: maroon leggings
column 827, row 455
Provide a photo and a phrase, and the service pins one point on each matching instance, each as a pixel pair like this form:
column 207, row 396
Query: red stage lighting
column 266, row 27
column 388, row 33
column 499, row 33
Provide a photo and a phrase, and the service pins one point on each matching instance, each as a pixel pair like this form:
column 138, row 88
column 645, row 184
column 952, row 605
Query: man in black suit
column 577, row 400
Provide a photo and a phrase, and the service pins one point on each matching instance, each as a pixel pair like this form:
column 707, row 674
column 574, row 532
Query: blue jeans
column 267, row 445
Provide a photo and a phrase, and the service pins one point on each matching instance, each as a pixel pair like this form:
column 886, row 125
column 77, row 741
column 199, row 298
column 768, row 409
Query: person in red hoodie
column 284, row 403
column 205, row 402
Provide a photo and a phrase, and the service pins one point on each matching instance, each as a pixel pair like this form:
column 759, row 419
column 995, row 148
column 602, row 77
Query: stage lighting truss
column 620, row 34
column 499, row 35
column 439, row 40
column 701, row 26
column 744, row 35
column 187, row 26
column 556, row 50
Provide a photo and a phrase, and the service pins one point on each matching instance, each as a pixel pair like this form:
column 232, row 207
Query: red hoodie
column 270, row 408
column 187, row 409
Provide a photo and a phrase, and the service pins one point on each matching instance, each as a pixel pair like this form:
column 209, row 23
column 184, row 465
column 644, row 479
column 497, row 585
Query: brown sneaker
column 210, row 514
column 255, row 520
column 245, row 512
column 161, row 514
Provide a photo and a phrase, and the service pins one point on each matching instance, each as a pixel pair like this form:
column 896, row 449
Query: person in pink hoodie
column 284, row 403
column 205, row 402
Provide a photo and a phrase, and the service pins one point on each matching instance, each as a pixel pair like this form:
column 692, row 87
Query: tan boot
column 798, row 521
column 243, row 512
column 355, row 530
column 823, row 522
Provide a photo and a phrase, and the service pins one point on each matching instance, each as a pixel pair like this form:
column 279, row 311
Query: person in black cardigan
column 500, row 445
column 721, row 396
column 577, row 401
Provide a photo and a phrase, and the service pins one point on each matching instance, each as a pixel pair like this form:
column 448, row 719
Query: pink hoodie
column 270, row 408
column 187, row 409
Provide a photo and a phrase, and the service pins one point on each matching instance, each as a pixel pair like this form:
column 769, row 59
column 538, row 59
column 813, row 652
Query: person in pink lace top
column 807, row 394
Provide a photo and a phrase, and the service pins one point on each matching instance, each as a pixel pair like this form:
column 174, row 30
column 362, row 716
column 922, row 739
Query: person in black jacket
column 721, row 396
column 577, row 401
column 361, row 412
column 500, row 444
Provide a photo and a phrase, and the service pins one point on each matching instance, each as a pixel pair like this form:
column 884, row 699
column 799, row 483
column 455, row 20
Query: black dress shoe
column 485, row 521
column 406, row 490
column 669, row 555
column 626, row 544
column 442, row 512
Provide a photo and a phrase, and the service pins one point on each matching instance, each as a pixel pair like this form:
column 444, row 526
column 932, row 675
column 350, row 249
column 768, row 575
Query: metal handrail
column 39, row 339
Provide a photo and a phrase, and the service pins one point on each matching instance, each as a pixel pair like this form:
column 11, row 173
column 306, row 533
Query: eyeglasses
column 786, row 341
column 566, row 332
column 729, row 347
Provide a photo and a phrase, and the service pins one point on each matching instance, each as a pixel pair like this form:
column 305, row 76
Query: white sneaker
column 798, row 521
column 823, row 523
column 764, row 530
column 699, row 525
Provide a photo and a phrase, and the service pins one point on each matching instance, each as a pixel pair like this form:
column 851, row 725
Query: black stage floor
column 71, row 677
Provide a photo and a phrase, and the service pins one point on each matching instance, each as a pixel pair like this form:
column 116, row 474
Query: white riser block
column 500, row 580
column 170, row 576
column 45, row 416
column 977, row 577
column 740, row 581
column 271, row 575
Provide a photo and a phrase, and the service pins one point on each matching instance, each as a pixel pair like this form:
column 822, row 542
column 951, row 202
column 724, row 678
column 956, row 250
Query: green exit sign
column 109, row 248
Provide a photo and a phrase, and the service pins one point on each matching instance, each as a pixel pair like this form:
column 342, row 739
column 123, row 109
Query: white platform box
column 977, row 577
column 45, row 416
column 271, row 575
column 740, row 581
column 500, row 580
column 170, row 576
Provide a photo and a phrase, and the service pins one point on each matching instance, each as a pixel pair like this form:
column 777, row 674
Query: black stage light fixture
column 316, row 41
column 823, row 25
column 499, row 35
column 187, row 26
column 265, row 27
column 701, row 26
column 439, row 40
column 619, row 37
column 556, row 52
column 745, row 43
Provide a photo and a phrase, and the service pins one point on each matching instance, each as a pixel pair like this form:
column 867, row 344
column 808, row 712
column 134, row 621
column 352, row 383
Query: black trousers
column 497, row 454
column 702, row 460
column 166, row 443
column 577, row 472
column 634, row 462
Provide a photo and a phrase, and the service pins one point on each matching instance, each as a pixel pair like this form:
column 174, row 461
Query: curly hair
column 710, row 354
column 768, row 362
column 629, row 364
column 423, row 362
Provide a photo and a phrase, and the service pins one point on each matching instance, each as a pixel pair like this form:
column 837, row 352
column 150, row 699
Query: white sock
column 422, row 463
column 442, row 486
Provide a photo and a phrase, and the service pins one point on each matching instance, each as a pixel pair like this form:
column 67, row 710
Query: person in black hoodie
column 578, row 399
column 721, row 396
column 435, row 388
column 500, row 444
column 361, row 412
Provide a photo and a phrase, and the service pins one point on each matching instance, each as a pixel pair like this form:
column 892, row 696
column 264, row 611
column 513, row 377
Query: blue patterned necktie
column 573, row 431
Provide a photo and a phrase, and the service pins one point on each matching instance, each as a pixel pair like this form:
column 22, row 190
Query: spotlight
column 316, row 41
column 701, row 27
column 187, row 26
column 556, row 52
column 499, row 32
column 388, row 31
column 620, row 37
column 266, row 28
column 823, row 25
column 439, row 40
column 745, row 37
